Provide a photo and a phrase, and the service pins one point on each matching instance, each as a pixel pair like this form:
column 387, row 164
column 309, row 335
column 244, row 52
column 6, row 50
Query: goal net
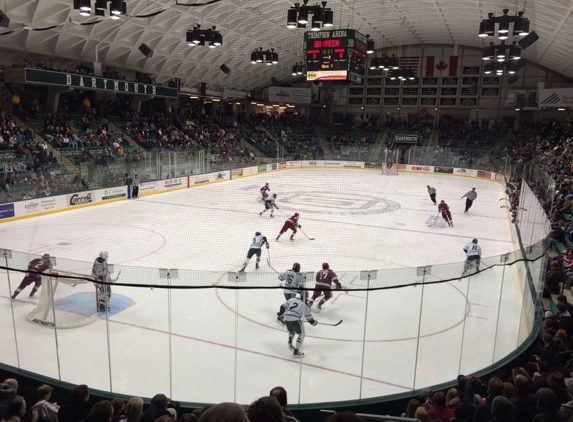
column 67, row 300
column 390, row 168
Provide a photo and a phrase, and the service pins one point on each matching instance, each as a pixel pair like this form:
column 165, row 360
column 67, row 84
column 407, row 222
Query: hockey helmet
column 296, row 267
column 104, row 255
column 257, row 233
column 274, row 195
column 266, row 184
column 296, row 214
column 46, row 257
column 325, row 266
column 474, row 241
column 442, row 202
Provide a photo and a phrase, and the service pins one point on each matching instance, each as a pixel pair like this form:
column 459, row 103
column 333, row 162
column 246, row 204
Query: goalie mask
column 104, row 255
column 46, row 257
column 296, row 267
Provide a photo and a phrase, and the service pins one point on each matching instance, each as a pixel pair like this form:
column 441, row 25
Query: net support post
column 368, row 275
column 236, row 277
column 168, row 273
column 6, row 253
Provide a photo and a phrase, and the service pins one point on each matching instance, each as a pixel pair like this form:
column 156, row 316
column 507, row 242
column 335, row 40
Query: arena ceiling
column 52, row 28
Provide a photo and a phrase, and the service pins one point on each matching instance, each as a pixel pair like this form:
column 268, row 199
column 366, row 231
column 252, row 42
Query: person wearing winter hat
column 501, row 409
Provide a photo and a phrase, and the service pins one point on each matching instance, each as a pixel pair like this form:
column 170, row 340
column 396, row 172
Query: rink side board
column 52, row 204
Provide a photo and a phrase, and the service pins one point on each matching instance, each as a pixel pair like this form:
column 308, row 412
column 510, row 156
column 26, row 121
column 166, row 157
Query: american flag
column 410, row 63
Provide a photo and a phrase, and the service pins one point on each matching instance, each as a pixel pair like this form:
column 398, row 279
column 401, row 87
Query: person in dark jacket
column 78, row 409
column 8, row 392
column 494, row 389
column 523, row 400
column 547, row 407
column 501, row 410
column 157, row 408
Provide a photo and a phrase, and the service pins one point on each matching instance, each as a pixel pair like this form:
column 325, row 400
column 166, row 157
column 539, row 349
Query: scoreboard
column 335, row 55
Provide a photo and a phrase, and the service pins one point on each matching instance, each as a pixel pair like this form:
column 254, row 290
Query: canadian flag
column 441, row 66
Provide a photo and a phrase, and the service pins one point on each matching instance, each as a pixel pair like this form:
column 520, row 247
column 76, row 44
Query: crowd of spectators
column 540, row 391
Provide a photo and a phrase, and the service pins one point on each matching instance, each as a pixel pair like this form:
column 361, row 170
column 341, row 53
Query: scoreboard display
column 335, row 55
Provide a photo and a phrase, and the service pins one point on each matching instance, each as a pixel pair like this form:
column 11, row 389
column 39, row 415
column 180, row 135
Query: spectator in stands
column 102, row 411
column 524, row 399
column 47, row 412
column 17, row 412
column 133, row 409
column 557, row 235
column 8, row 392
column 568, row 306
column 502, row 409
column 157, row 407
column 436, row 407
column 413, row 404
column 567, row 408
column 78, row 409
column 265, row 409
column 547, row 407
column 558, row 386
column 281, row 395
column 422, row 414
column 227, row 412
column 564, row 319
column 118, row 409
column 494, row 389
column 8, row 198
column 345, row 417
column 553, row 280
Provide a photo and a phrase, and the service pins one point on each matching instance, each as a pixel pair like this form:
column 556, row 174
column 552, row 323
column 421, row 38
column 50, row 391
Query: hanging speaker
column 146, row 50
column 513, row 79
column 225, row 69
column 528, row 40
column 4, row 20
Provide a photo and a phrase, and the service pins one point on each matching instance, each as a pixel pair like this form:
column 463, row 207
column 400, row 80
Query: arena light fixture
column 299, row 15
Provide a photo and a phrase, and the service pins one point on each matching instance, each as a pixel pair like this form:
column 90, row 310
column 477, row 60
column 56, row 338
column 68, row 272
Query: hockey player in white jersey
column 270, row 205
column 101, row 271
column 473, row 254
column 258, row 241
column 292, row 280
column 292, row 313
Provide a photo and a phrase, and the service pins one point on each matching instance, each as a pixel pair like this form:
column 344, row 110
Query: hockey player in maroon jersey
column 38, row 265
column 444, row 209
column 264, row 191
column 324, row 280
column 292, row 224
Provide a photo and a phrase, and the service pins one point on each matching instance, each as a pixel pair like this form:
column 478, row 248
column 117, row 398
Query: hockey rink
column 225, row 345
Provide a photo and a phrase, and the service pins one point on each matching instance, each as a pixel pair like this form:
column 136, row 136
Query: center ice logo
column 338, row 203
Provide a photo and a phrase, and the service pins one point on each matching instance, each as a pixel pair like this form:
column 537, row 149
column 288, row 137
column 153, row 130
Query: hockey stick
column 331, row 325
column 309, row 238
column 113, row 280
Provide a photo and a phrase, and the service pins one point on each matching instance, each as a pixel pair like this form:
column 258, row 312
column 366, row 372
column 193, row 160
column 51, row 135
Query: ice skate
column 277, row 239
column 31, row 294
column 290, row 346
column 297, row 353
column 292, row 238
column 242, row 270
column 257, row 266
column 319, row 305
column 272, row 216
column 13, row 297
column 261, row 214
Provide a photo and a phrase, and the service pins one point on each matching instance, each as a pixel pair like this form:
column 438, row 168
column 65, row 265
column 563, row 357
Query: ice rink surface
column 225, row 344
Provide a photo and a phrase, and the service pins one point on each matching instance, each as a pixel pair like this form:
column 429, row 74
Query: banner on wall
column 556, row 97
column 277, row 94
column 441, row 66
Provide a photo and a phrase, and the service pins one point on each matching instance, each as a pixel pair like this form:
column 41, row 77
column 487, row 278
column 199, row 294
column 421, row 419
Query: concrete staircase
column 379, row 144
column 323, row 141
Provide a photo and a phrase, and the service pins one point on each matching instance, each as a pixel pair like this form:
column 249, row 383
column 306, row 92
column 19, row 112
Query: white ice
column 225, row 345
